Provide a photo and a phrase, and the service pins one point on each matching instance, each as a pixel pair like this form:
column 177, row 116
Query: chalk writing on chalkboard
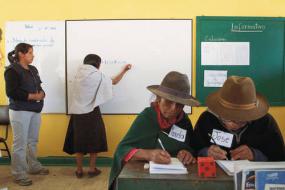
column 242, row 27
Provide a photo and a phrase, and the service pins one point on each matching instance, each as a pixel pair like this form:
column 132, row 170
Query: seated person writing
column 237, row 125
column 163, row 121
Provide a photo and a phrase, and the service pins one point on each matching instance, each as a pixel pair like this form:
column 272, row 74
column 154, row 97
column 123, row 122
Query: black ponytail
column 11, row 56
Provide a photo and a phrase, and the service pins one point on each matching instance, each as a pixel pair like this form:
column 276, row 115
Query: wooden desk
column 134, row 177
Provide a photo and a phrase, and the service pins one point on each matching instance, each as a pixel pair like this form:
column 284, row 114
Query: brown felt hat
column 238, row 100
column 175, row 87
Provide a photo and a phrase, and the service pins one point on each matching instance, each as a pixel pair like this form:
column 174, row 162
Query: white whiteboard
column 48, row 39
column 153, row 47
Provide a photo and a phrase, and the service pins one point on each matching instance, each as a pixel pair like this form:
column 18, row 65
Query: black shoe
column 94, row 173
column 78, row 174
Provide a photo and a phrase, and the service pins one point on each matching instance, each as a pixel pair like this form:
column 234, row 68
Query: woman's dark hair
column 13, row 56
column 92, row 59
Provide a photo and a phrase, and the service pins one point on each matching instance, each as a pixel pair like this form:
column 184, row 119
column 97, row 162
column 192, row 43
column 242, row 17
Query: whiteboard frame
column 82, row 20
column 56, row 67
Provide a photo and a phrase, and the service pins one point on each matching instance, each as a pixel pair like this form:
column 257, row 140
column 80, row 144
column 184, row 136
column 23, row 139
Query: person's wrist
column 252, row 154
column 143, row 154
column 31, row 96
column 149, row 155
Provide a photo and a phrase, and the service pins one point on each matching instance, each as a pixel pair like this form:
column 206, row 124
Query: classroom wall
column 54, row 125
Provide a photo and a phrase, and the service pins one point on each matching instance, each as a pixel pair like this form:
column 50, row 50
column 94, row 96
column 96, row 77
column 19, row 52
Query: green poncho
column 143, row 134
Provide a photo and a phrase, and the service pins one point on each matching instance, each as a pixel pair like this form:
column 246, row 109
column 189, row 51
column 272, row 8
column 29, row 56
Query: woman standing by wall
column 23, row 87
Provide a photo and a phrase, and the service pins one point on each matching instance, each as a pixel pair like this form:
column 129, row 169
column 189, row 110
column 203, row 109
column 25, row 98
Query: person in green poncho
column 163, row 121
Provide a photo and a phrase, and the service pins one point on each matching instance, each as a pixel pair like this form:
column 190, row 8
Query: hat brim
column 189, row 100
column 237, row 114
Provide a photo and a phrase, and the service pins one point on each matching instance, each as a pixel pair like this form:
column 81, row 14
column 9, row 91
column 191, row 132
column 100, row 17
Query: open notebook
column 229, row 165
column 175, row 167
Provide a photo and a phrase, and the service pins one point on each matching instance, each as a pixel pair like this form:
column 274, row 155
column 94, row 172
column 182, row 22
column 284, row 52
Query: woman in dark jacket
column 23, row 87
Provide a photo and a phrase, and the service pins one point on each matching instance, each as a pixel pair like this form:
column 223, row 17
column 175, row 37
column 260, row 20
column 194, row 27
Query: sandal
column 79, row 174
column 94, row 173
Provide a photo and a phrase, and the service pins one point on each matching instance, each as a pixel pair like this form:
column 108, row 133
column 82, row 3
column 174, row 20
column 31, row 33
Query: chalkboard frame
column 202, row 92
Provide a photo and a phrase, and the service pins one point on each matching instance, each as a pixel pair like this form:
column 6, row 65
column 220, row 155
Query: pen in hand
column 215, row 143
column 160, row 143
column 161, row 156
column 212, row 138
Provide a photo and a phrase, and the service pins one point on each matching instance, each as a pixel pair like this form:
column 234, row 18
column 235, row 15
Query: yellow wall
column 54, row 125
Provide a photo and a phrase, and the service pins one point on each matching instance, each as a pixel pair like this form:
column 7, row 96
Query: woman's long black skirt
column 86, row 133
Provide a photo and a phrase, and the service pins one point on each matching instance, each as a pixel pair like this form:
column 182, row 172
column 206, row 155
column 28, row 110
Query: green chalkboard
column 265, row 37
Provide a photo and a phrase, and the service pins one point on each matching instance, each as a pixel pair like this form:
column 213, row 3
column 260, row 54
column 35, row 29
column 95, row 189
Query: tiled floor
column 60, row 178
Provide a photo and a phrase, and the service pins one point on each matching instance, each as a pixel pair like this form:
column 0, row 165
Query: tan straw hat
column 237, row 100
column 175, row 87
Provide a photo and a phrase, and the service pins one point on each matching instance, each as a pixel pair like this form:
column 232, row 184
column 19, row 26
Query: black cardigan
column 262, row 134
column 19, row 83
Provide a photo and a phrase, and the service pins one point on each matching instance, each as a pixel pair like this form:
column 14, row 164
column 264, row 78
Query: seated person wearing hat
column 237, row 126
column 163, row 125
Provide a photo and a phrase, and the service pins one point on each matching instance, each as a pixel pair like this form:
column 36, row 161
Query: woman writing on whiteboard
column 23, row 87
column 162, row 130
column 86, row 130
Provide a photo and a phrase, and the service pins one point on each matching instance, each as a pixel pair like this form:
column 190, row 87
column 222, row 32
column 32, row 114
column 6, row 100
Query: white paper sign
column 225, row 53
column 222, row 138
column 177, row 133
column 214, row 78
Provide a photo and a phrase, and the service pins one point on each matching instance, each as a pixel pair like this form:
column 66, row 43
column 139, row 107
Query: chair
column 4, row 120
